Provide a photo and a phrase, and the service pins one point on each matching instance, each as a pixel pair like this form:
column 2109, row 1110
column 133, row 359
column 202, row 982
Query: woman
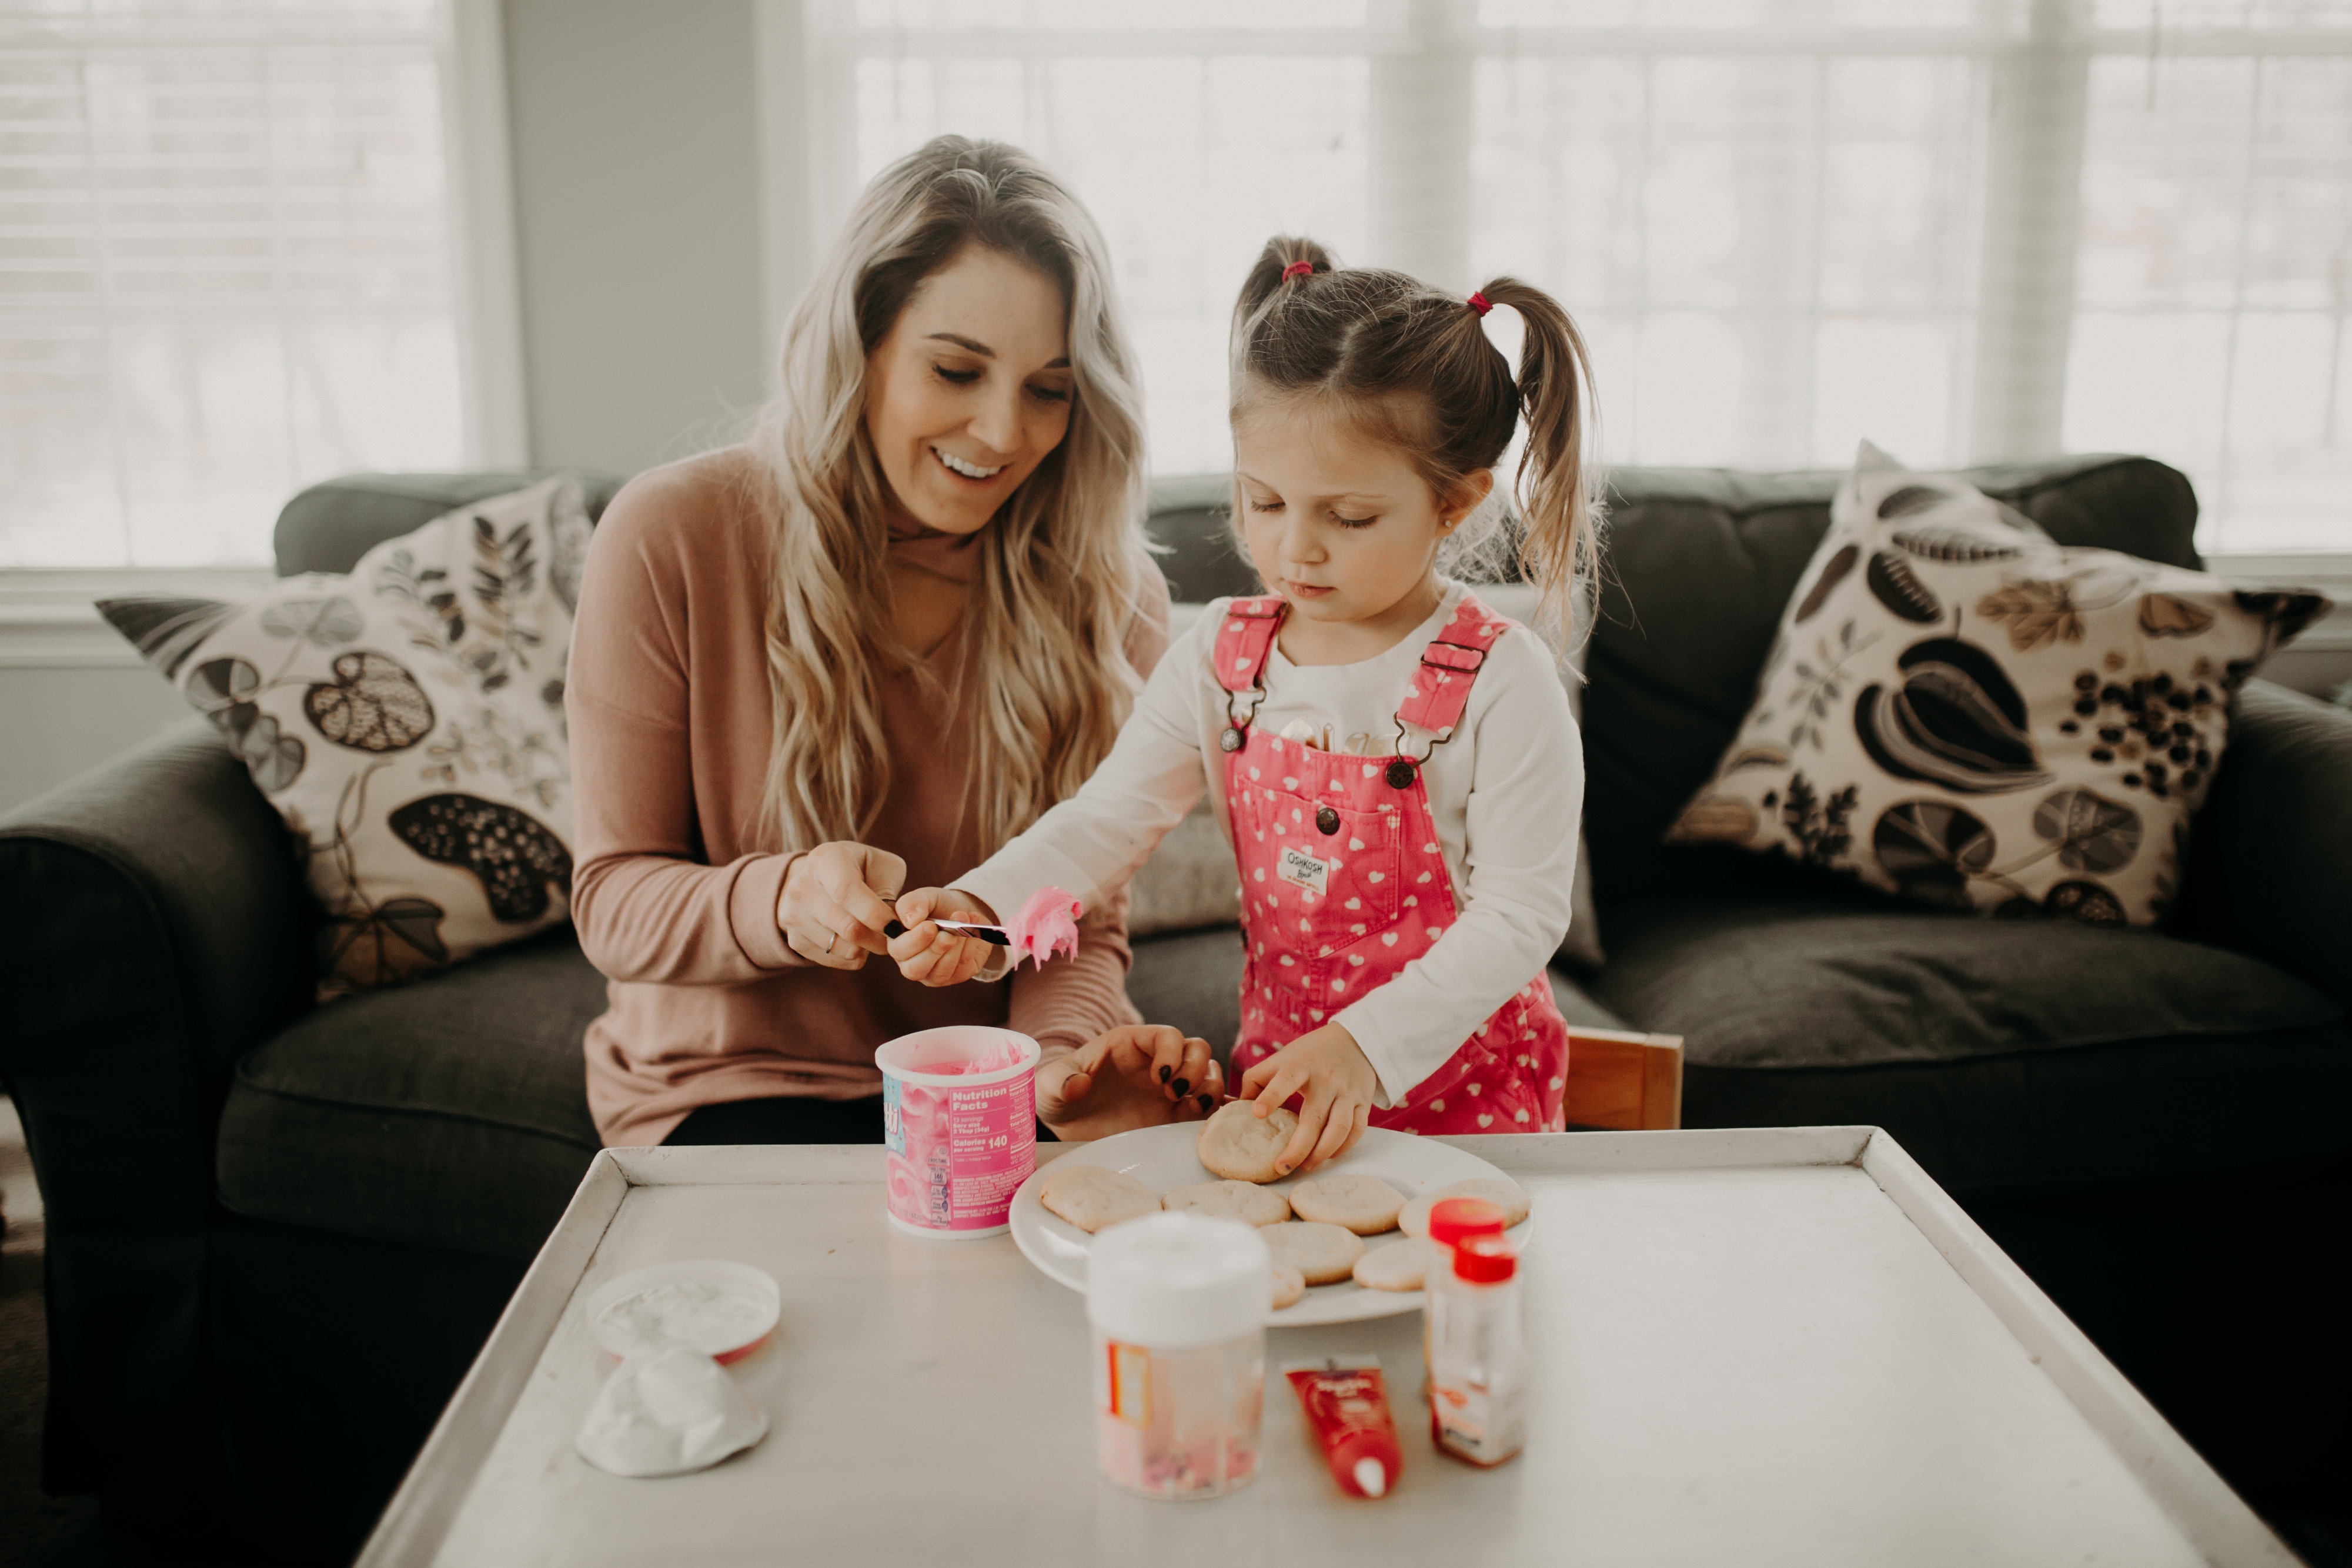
column 868, row 646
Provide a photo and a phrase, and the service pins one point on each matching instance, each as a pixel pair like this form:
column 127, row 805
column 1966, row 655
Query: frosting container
column 960, row 1128
column 724, row 1310
column 1177, row 1304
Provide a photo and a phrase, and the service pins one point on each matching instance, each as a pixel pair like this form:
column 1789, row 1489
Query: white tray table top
column 1763, row 1346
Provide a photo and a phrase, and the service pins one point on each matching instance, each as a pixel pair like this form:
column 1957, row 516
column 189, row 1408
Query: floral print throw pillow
column 1962, row 711
column 407, row 722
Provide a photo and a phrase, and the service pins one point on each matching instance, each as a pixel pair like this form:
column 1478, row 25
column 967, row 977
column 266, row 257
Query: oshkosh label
column 1302, row 870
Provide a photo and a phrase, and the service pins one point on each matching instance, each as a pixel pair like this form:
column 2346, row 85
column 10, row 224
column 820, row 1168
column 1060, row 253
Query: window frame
column 808, row 164
column 2037, row 54
column 47, row 617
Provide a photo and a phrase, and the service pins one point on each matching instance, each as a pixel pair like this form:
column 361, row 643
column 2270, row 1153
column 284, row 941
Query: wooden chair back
column 1622, row 1081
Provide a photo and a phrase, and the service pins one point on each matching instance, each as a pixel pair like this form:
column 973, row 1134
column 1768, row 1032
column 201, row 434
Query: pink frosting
column 1046, row 925
column 995, row 1059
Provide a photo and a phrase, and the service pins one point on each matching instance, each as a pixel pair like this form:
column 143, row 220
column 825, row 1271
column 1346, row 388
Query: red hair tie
column 1481, row 304
column 1298, row 269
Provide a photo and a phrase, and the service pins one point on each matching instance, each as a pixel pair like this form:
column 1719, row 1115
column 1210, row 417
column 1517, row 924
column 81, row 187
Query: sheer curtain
column 226, row 268
column 1966, row 229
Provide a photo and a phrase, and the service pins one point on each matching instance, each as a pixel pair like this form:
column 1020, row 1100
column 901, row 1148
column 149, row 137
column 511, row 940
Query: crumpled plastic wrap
column 665, row 1410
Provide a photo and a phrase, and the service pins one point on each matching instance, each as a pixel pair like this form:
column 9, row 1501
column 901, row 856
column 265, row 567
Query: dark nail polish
column 1164, row 1073
column 893, row 928
column 1183, row 1088
column 1208, row 1103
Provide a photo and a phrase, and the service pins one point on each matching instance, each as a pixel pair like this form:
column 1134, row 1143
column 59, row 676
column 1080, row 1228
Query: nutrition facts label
column 993, row 1145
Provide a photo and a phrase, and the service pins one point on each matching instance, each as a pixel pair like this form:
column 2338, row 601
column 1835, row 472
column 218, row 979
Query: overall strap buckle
column 1244, row 641
column 1441, row 683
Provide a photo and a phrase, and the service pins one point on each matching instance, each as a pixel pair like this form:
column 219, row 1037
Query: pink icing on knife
column 1047, row 925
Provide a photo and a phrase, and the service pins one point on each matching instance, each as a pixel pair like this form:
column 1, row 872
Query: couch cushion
column 1963, row 712
column 452, row 1112
column 330, row 526
column 409, row 728
column 1997, row 1053
column 1191, row 516
column 1701, row 563
column 1192, row 981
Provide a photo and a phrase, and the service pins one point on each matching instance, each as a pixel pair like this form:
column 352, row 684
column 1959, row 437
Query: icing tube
column 1344, row 1402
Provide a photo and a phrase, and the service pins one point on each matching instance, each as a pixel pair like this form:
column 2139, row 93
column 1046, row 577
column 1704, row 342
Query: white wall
column 635, row 140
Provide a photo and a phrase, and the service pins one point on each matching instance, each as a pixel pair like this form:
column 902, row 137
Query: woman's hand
column 1137, row 1075
column 835, row 902
column 931, row 957
column 1336, row 1084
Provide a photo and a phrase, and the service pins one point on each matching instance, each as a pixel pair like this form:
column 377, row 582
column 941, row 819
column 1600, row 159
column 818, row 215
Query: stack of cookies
column 1314, row 1230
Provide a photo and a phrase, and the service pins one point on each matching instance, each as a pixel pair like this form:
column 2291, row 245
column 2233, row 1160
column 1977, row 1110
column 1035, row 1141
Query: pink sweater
column 674, row 898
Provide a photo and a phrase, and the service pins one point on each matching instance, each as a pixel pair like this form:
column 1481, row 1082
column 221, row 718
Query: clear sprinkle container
column 1177, row 1305
column 1450, row 1224
column 1477, row 1358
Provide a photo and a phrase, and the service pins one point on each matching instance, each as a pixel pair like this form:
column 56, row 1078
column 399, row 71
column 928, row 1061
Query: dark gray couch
column 277, row 1232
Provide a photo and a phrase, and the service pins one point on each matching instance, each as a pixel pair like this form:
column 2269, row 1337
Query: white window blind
column 1966, row 229
column 2213, row 298
column 226, row 268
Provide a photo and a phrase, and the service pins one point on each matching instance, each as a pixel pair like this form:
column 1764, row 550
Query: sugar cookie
column 1093, row 1197
column 1230, row 1200
column 1289, row 1284
column 1399, row 1266
column 1321, row 1253
column 1364, row 1204
column 1238, row 1147
column 1414, row 1219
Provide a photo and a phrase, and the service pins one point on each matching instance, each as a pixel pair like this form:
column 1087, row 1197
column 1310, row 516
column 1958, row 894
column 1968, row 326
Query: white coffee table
column 1766, row 1346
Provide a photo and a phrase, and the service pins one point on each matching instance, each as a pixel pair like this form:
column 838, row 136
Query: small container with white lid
column 1177, row 1305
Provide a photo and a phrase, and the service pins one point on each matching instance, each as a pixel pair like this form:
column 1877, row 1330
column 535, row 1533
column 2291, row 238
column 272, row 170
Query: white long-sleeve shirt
column 1507, row 789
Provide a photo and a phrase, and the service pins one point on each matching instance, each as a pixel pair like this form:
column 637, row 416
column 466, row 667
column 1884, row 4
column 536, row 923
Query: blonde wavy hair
column 1064, row 559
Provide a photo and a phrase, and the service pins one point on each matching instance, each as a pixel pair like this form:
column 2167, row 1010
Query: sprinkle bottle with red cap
column 1477, row 1354
column 1449, row 1223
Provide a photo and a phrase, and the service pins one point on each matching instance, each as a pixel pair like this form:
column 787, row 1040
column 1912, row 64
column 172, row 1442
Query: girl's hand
column 931, row 957
column 835, row 902
column 1137, row 1075
column 1328, row 1069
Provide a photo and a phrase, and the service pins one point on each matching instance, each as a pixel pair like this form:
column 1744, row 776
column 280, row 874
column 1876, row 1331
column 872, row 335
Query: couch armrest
column 156, row 926
column 2272, row 853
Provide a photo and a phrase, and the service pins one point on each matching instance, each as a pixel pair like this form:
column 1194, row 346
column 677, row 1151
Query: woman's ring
column 830, row 938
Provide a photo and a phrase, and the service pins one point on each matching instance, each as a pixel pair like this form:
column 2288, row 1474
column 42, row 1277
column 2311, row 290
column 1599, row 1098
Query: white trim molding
column 49, row 620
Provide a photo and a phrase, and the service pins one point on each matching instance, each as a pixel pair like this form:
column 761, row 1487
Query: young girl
column 1394, row 763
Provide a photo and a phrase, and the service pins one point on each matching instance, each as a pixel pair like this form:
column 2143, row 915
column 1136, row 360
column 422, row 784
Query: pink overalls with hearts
column 1344, row 883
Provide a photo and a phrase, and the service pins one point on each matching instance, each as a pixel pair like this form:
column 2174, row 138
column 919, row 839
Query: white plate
column 1164, row 1157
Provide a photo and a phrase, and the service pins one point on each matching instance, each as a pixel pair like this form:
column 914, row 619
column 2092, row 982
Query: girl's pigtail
column 1559, row 508
column 1273, row 268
